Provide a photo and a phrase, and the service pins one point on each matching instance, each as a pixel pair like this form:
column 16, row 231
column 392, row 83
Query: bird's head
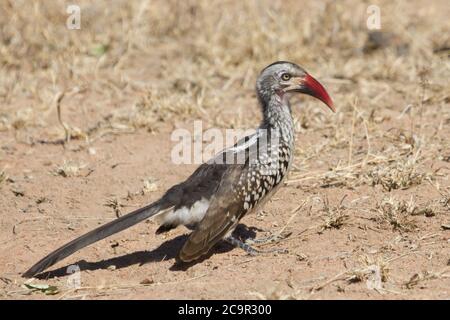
column 284, row 78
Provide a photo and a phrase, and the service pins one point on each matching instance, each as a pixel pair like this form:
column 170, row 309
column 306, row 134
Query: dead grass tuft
column 150, row 185
column 115, row 204
column 445, row 199
column 335, row 217
column 373, row 270
column 69, row 169
column 397, row 213
column 423, row 276
column 398, row 175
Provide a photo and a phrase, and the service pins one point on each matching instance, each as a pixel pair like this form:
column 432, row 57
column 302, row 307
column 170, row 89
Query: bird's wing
column 204, row 181
column 236, row 194
column 225, row 209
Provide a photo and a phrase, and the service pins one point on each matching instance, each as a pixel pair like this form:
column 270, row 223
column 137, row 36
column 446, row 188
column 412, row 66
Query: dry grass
column 419, row 278
column 370, row 267
column 334, row 216
column 150, row 185
column 444, row 201
column 397, row 213
column 115, row 204
column 373, row 270
column 402, row 174
column 146, row 113
column 69, row 169
column 218, row 55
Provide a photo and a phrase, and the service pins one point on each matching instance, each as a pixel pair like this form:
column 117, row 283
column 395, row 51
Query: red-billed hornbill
column 222, row 191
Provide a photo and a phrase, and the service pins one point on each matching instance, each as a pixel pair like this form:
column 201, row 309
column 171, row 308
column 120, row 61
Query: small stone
column 149, row 186
column 115, row 244
column 301, row 257
column 42, row 200
column 147, row 281
column 11, row 179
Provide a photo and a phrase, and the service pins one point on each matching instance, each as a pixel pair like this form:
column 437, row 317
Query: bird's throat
column 277, row 116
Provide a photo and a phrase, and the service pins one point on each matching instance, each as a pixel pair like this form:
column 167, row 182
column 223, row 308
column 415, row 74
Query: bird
column 233, row 183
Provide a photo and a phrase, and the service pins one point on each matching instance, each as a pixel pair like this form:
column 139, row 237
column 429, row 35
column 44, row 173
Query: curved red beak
column 313, row 88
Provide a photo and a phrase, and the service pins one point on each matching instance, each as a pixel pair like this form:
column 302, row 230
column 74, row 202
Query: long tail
column 95, row 235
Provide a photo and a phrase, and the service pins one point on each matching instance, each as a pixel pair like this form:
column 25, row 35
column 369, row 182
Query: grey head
column 281, row 79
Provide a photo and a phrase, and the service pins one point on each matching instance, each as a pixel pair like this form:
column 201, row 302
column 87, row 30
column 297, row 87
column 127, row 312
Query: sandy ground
column 363, row 215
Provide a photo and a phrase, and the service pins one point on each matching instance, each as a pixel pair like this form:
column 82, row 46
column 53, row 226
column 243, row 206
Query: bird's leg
column 249, row 249
column 238, row 243
column 274, row 237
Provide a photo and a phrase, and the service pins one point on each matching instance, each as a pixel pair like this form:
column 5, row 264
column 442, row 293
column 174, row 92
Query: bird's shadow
column 166, row 251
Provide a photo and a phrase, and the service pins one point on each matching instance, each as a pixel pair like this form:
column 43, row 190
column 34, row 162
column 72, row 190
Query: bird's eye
column 285, row 76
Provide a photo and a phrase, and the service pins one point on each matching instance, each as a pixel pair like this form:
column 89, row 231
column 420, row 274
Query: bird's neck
column 277, row 116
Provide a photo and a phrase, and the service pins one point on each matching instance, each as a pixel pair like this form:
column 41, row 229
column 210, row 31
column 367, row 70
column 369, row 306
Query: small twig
column 350, row 148
column 328, row 282
column 58, row 99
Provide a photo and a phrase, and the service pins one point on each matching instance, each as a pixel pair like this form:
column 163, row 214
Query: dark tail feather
column 95, row 235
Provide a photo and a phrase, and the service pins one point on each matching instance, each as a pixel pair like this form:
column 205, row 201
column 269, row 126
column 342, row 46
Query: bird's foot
column 249, row 249
column 275, row 237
